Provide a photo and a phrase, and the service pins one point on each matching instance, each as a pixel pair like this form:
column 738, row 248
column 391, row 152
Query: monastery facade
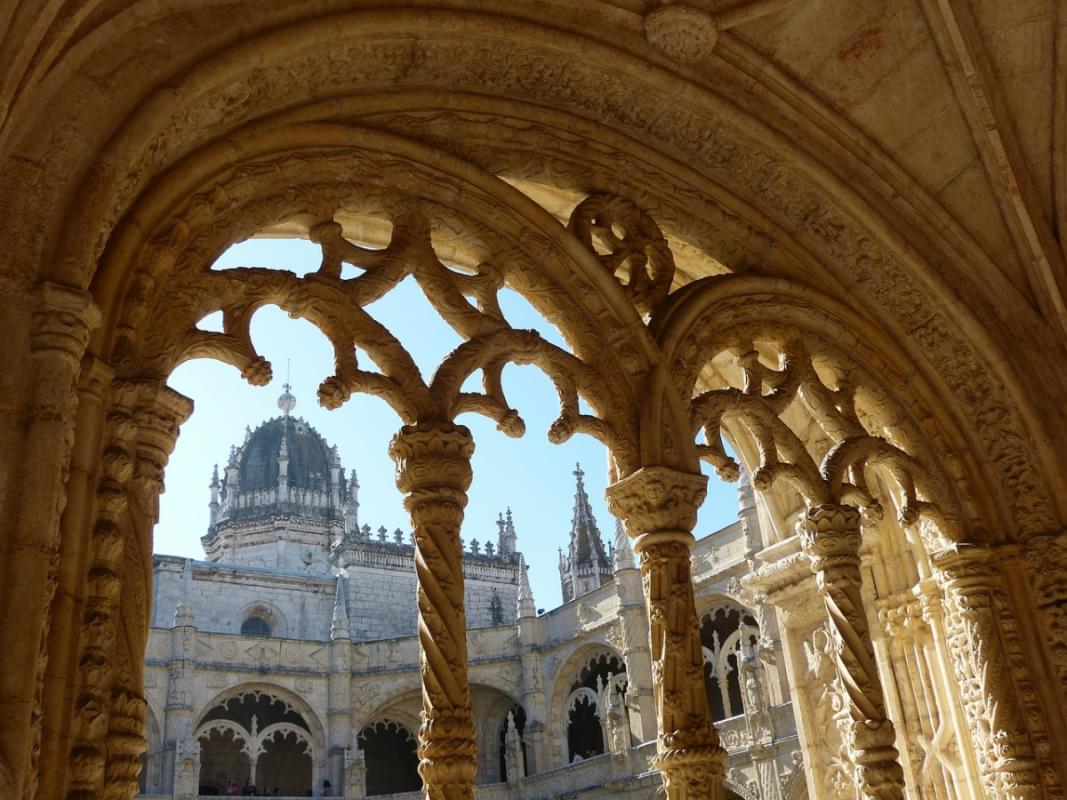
column 288, row 660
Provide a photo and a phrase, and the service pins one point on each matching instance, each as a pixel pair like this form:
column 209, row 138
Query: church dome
column 283, row 468
column 310, row 458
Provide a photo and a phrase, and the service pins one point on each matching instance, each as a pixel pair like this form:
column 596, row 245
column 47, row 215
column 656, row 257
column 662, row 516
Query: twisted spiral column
column 433, row 471
column 658, row 507
column 831, row 536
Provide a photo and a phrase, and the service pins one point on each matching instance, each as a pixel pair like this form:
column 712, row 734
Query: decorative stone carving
column 681, row 32
column 832, row 538
column 658, row 507
column 1046, row 560
column 434, row 473
column 1001, row 744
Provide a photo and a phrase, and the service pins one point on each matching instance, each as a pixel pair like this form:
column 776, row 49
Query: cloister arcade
column 728, row 258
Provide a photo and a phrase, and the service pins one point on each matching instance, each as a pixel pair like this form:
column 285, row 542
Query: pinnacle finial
column 287, row 402
column 525, row 598
column 579, row 473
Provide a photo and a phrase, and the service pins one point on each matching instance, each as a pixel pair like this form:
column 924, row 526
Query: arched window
column 255, row 626
column 392, row 763
column 727, row 635
column 585, row 735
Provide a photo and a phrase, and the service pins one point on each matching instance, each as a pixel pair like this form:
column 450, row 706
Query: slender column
column 658, row 506
column 831, row 536
column 109, row 708
column 1002, row 747
column 59, row 329
column 433, row 471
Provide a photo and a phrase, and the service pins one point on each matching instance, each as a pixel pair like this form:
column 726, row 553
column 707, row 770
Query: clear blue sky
column 532, row 476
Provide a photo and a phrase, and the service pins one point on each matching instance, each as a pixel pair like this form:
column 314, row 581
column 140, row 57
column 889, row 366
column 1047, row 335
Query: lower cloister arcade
column 712, row 299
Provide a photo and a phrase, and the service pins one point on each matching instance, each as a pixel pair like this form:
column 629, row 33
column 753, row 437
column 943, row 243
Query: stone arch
column 258, row 738
column 887, row 272
column 862, row 435
column 569, row 664
column 726, row 630
column 288, row 698
column 389, row 753
column 576, row 695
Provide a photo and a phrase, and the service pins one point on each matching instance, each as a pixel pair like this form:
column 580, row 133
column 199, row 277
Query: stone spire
column 506, row 537
column 352, row 506
column 624, row 554
column 339, row 625
column 183, row 612
column 585, row 566
column 526, row 605
column 213, row 506
column 283, row 464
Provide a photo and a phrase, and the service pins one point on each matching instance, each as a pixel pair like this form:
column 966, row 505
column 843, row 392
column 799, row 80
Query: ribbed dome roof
column 309, row 456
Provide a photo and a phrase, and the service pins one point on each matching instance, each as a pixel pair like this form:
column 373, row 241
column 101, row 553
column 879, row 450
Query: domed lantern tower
column 283, row 499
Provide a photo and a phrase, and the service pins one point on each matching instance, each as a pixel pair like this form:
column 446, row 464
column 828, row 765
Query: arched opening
column 392, row 763
column 255, row 626
column 727, row 636
column 258, row 742
column 584, row 716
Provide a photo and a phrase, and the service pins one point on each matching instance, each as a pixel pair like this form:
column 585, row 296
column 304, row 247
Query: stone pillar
column 178, row 713
column 658, row 506
column 633, row 635
column 533, row 692
column 339, row 713
column 1002, row 747
column 67, row 610
column 142, row 424
column 831, row 536
column 433, row 472
column 37, row 466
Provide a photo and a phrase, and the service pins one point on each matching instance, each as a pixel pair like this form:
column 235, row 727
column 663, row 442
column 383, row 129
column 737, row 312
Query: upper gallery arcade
column 823, row 235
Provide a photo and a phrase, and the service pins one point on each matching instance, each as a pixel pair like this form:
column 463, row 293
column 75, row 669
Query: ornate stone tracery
column 609, row 367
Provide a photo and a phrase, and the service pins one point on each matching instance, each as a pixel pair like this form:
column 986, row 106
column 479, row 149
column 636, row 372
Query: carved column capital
column 657, row 500
column 432, row 462
column 965, row 566
column 63, row 317
column 831, row 536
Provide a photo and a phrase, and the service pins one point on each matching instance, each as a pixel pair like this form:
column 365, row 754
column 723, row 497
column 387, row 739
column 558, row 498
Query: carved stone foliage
column 1046, row 560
